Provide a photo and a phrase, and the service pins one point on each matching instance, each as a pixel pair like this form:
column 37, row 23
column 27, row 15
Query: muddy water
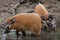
column 43, row 36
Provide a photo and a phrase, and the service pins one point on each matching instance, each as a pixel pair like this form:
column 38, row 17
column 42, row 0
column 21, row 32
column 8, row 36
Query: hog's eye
column 12, row 21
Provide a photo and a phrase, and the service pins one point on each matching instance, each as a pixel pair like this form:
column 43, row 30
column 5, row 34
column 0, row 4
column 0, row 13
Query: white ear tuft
column 39, row 3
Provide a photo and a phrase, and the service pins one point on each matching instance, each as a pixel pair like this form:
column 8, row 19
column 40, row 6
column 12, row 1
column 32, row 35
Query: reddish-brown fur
column 26, row 22
column 41, row 10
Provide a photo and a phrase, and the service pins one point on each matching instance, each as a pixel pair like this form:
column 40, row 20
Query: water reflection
column 43, row 36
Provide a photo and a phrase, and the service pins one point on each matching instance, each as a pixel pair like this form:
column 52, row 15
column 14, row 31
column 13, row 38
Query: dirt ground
column 52, row 6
